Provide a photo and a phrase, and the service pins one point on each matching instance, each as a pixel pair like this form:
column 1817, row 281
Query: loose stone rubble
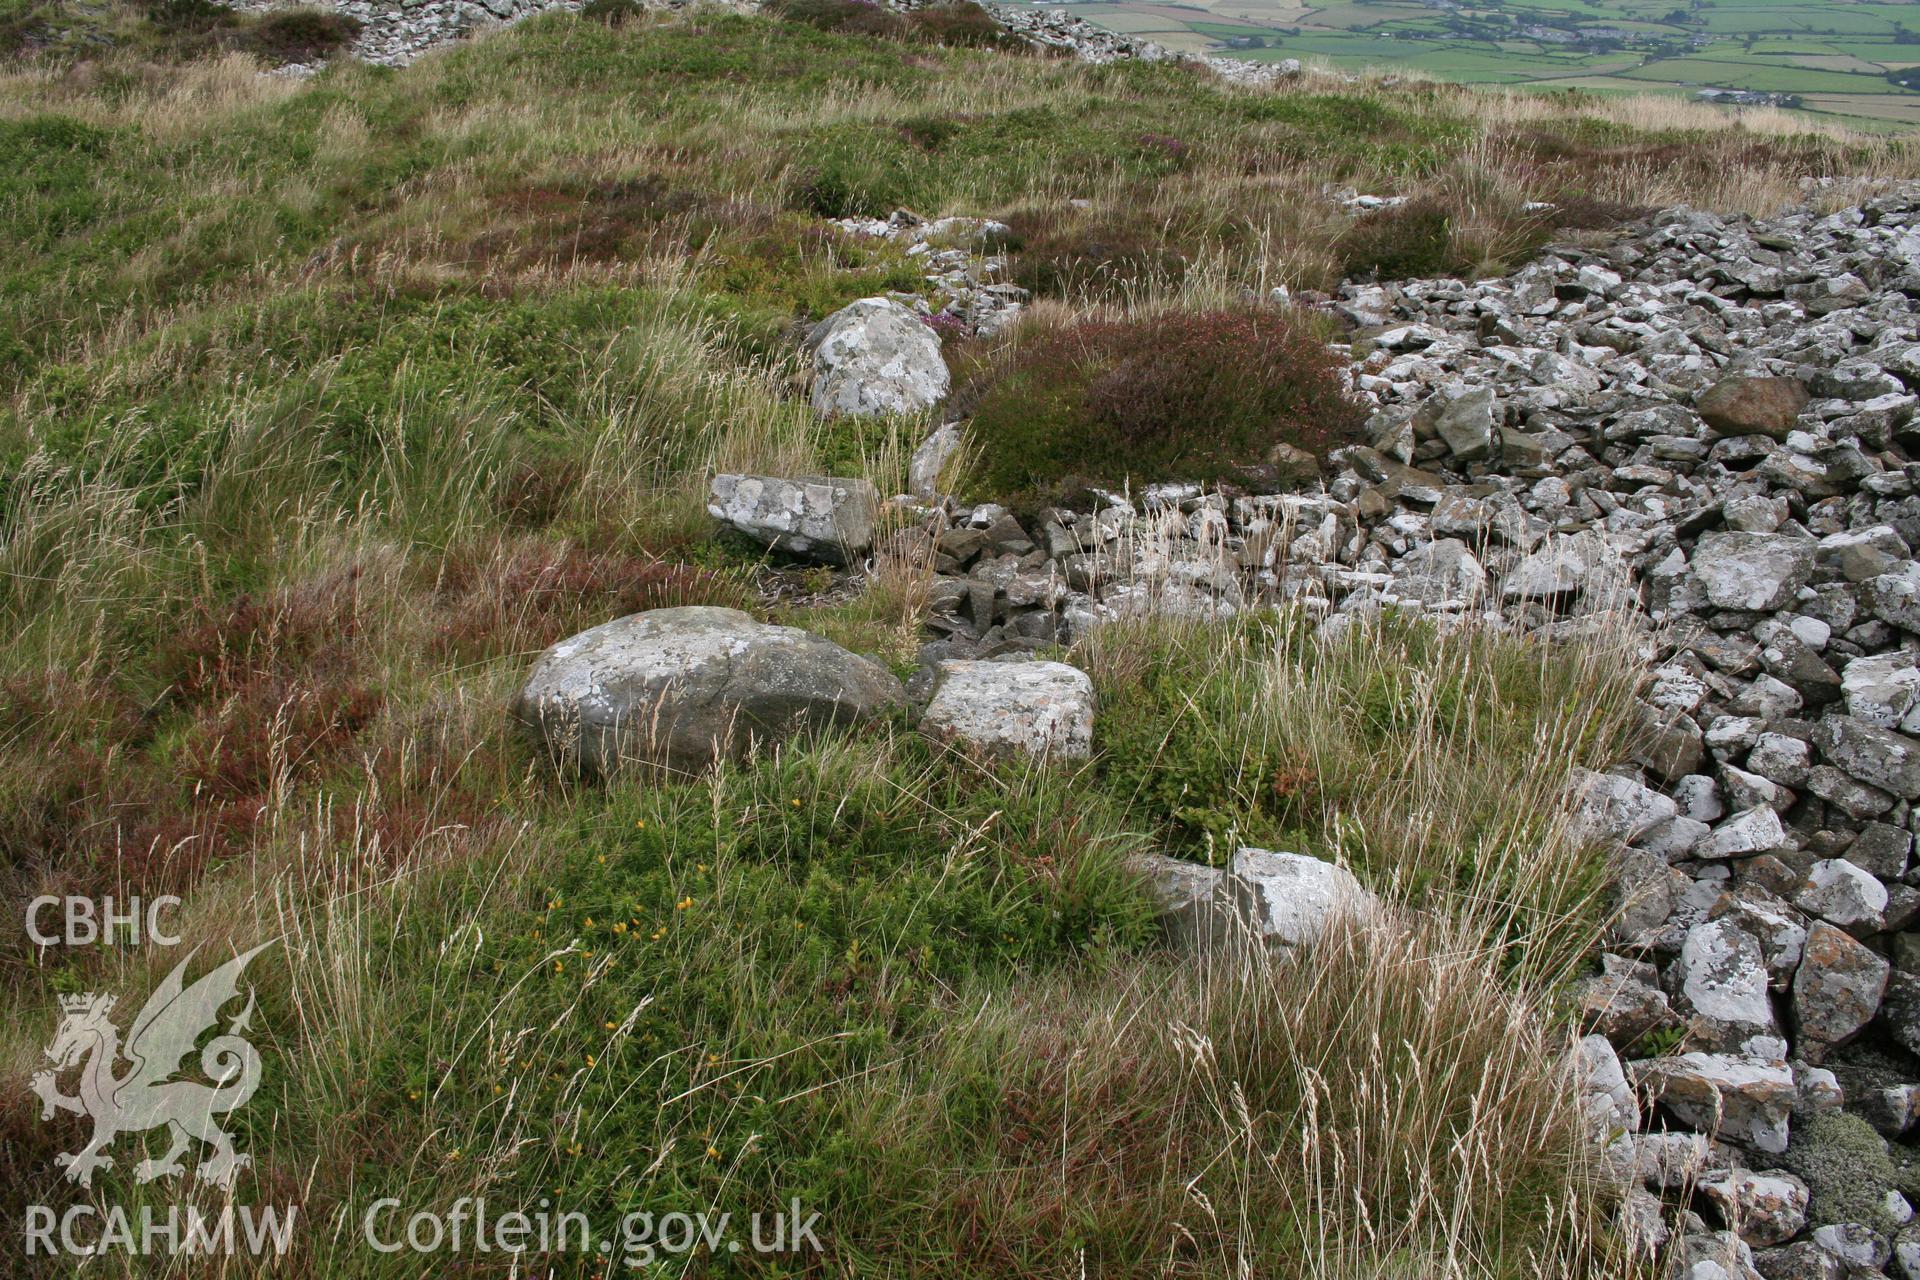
column 1701, row 431
column 963, row 265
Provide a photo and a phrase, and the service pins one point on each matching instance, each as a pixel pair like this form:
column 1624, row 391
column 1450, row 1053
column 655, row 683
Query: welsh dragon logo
column 143, row 1097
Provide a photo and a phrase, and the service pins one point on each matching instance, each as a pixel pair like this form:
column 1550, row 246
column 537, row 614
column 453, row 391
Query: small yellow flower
column 587, row 923
column 413, row 1094
column 559, row 967
column 602, row 859
column 609, row 1025
column 640, row 826
column 454, row 1154
column 796, row 802
column 700, row 867
column 590, row 1061
column 683, row 904
column 499, row 1089
column 713, row 1153
column 660, row 933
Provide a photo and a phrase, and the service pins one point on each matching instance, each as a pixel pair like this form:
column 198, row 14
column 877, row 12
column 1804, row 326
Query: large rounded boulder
column 680, row 688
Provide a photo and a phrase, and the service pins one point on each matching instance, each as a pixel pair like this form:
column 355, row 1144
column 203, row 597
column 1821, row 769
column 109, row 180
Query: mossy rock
column 1846, row 1167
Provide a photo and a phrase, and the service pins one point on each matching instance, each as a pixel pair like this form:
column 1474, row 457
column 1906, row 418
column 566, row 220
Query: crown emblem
column 86, row 1002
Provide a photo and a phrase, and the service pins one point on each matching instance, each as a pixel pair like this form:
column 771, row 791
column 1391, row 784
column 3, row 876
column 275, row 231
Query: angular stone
column 1764, row 1208
column 1623, row 1007
column 1288, row 899
column 1442, row 572
column 1844, row 895
column 1737, row 1097
column 1837, row 989
column 1754, row 831
column 1884, row 691
column 1466, row 424
column 1878, row 757
column 1565, row 565
column 1721, row 980
column 1605, row 1096
column 1041, row 709
column 1742, row 405
column 1758, row 572
column 1185, row 897
column 826, row 517
column 930, row 459
column 1610, row 806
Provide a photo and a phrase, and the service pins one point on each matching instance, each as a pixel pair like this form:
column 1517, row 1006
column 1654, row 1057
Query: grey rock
column 1721, row 979
column 1755, row 830
column 1289, row 899
column 828, row 518
column 1752, row 571
column 1878, row 757
column 876, row 357
column 1737, row 1097
column 1842, row 894
column 680, row 688
column 1040, row 709
column 1764, row 1208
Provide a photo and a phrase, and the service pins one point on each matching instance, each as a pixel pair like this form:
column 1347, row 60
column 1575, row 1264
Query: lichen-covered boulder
column 825, row 517
column 1042, row 709
column 680, row 688
column 876, row 357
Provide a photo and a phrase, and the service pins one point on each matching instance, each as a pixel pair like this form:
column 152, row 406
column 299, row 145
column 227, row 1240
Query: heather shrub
column 1404, row 243
column 842, row 17
column 300, row 35
column 1066, row 256
column 1180, row 395
column 959, row 24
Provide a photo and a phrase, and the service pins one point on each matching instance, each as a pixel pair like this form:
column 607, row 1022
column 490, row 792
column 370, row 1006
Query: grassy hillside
column 325, row 405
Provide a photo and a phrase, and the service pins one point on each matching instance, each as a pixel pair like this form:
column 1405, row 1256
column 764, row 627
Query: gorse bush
column 1189, row 395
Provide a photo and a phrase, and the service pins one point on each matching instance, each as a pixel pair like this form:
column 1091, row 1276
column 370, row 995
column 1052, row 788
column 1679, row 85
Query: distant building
column 1749, row 98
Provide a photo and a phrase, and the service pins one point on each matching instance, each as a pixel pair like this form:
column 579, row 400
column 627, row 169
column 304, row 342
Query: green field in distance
column 1837, row 59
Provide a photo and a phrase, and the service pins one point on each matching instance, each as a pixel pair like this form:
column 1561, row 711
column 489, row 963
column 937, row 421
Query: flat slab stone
column 826, row 517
